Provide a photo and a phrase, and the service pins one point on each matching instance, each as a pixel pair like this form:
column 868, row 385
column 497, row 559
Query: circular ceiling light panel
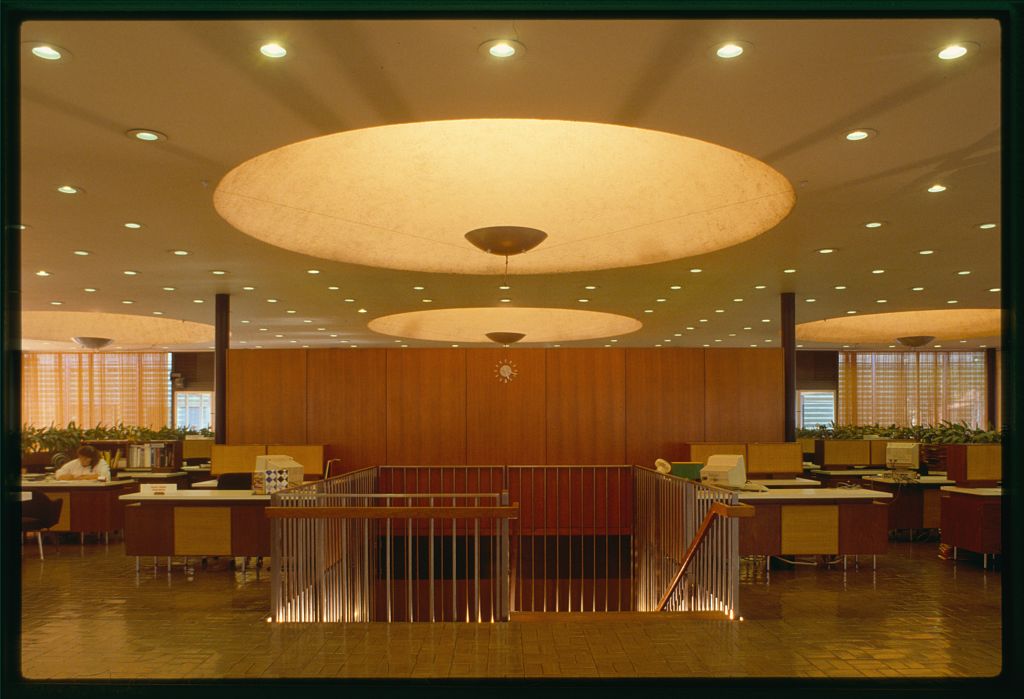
column 476, row 324
column 126, row 331
column 404, row 196
column 886, row 327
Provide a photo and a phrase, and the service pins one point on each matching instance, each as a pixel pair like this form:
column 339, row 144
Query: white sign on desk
column 158, row 488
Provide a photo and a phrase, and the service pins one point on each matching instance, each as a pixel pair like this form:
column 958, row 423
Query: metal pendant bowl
column 505, row 338
column 93, row 343
column 506, row 240
column 915, row 340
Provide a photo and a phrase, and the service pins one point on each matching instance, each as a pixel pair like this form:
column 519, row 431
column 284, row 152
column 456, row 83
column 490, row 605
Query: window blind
column 911, row 388
column 93, row 388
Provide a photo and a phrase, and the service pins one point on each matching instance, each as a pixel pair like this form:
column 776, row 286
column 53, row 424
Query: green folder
column 687, row 469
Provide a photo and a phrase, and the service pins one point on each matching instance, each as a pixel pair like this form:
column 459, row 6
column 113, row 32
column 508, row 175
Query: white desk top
column 150, row 474
column 788, row 482
column 866, row 471
column 24, row 496
column 984, row 492
column 922, row 480
column 199, row 496
column 212, row 483
column 64, row 485
column 810, row 494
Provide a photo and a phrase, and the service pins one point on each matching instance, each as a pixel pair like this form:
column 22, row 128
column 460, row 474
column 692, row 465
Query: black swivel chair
column 234, row 481
column 39, row 514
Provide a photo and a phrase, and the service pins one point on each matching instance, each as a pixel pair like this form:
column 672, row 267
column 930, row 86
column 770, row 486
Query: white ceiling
column 788, row 101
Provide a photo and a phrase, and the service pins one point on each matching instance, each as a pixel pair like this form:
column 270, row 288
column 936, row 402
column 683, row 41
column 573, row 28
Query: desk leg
column 954, row 553
column 844, row 563
column 137, row 564
column 984, row 561
column 874, row 561
column 106, row 538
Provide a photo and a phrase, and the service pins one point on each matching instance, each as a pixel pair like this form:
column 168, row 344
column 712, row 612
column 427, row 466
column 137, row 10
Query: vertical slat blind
column 911, row 388
column 92, row 388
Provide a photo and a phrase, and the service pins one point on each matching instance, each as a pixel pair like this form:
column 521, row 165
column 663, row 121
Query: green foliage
column 945, row 432
column 62, row 441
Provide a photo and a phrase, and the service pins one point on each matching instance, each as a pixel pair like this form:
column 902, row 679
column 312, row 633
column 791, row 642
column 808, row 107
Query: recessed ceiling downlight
column 503, row 48
column 273, row 50
column 48, row 52
column 732, row 49
column 860, row 134
column 145, row 135
column 953, row 51
column 625, row 213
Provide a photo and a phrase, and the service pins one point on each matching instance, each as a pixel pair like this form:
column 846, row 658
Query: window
column 814, row 408
column 911, row 388
column 193, row 409
column 94, row 388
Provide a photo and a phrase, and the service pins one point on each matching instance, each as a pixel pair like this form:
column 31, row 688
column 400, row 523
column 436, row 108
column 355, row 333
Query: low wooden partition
column 700, row 451
column 971, row 518
column 974, row 465
column 775, row 459
column 197, row 448
column 233, row 458
column 762, row 459
column 842, row 453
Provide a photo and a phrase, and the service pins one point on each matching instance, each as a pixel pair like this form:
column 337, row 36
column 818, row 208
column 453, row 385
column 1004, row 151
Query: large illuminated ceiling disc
column 942, row 324
column 125, row 331
column 538, row 325
column 403, row 196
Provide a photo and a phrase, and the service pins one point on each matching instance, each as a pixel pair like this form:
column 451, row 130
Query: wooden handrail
column 718, row 509
column 509, row 511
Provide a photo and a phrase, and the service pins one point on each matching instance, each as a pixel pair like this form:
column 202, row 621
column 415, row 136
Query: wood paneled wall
column 743, row 395
column 266, row 397
column 664, row 402
column 426, row 406
column 505, row 422
column 346, row 395
column 586, row 406
column 447, row 406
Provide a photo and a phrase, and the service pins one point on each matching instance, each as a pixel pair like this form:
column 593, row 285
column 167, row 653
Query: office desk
column 787, row 482
column 196, row 473
column 197, row 523
column 89, row 506
column 179, row 478
column 830, row 478
column 814, row 521
column 915, row 504
column 971, row 519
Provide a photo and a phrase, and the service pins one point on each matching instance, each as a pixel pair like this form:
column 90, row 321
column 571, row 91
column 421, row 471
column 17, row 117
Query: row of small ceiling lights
column 507, row 49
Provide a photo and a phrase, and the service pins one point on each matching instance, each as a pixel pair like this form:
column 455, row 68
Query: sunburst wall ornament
column 505, row 370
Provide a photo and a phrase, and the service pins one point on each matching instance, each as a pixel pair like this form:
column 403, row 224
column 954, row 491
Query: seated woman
column 87, row 467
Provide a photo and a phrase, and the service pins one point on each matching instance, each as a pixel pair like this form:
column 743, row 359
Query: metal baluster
column 430, row 560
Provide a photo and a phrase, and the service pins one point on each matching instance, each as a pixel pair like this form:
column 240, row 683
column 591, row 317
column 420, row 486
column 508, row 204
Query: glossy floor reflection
column 915, row 616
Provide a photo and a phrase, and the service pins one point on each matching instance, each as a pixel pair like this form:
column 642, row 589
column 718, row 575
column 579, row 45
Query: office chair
column 39, row 514
column 234, row 481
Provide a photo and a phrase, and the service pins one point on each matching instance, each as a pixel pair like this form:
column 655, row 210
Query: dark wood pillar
column 788, row 304
column 991, row 388
column 222, row 333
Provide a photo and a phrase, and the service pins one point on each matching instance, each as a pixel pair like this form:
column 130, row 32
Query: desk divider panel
column 311, row 456
column 984, row 462
column 196, row 448
column 846, row 452
column 700, row 451
column 775, row 458
column 234, row 458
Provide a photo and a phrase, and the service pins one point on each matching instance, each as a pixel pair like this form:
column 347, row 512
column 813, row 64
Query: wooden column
column 222, row 327
column 991, row 387
column 788, row 314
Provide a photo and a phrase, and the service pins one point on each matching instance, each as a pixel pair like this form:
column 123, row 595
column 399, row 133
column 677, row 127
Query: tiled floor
column 915, row 616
